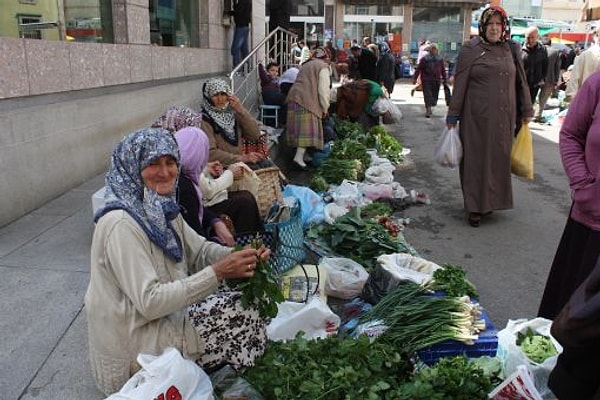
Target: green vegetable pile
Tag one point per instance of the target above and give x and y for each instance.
(416, 320)
(452, 279)
(452, 378)
(331, 368)
(345, 129)
(262, 290)
(350, 149)
(362, 240)
(334, 171)
(386, 145)
(537, 347)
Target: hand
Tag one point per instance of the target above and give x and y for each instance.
(237, 171)
(214, 168)
(223, 233)
(238, 264)
(235, 103)
(252, 157)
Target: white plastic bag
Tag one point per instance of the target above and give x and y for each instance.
(448, 151)
(512, 356)
(406, 267)
(314, 318)
(168, 376)
(518, 386)
(345, 277)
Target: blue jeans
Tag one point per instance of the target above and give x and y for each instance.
(239, 44)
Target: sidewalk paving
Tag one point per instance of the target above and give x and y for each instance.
(44, 261)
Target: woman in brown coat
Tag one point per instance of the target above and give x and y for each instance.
(490, 91)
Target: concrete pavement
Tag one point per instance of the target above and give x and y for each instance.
(44, 257)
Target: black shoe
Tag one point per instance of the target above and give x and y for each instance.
(474, 219)
(412, 92)
(299, 167)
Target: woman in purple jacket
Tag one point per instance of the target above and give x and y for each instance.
(579, 246)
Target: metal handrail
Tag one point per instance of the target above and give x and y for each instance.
(244, 79)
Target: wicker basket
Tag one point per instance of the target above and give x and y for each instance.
(269, 189)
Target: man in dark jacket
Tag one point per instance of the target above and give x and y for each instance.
(552, 77)
(242, 16)
(535, 61)
(577, 329)
(366, 63)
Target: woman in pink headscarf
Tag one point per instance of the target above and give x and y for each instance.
(239, 206)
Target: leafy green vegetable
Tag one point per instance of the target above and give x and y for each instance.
(385, 144)
(331, 368)
(350, 149)
(373, 210)
(334, 170)
(452, 378)
(318, 183)
(345, 129)
(262, 290)
(537, 347)
(362, 240)
(452, 279)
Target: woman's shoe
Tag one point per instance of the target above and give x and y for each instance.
(299, 167)
(474, 219)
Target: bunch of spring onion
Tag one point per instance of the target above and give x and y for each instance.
(415, 319)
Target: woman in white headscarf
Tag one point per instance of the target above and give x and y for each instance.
(227, 123)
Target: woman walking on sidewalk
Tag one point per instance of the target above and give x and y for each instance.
(489, 86)
(432, 73)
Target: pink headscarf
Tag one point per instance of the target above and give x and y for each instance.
(193, 149)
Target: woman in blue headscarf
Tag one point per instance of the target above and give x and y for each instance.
(154, 281)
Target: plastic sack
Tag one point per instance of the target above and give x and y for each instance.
(380, 174)
(347, 194)
(448, 151)
(345, 277)
(333, 212)
(392, 270)
(228, 384)
(512, 356)
(314, 318)
(393, 115)
(380, 106)
(167, 376)
(518, 386)
(311, 203)
(521, 154)
(374, 191)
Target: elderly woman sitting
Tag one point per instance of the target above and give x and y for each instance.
(154, 282)
(227, 123)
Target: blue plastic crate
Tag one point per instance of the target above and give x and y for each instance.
(485, 345)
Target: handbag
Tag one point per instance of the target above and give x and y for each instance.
(168, 376)
(284, 222)
(521, 154)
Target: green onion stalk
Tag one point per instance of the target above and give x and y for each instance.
(416, 320)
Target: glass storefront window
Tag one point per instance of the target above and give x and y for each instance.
(174, 23)
(309, 8)
(368, 9)
(443, 26)
(88, 20)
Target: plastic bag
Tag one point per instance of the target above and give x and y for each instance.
(380, 174)
(521, 154)
(518, 386)
(392, 270)
(448, 151)
(374, 191)
(345, 277)
(311, 204)
(512, 356)
(314, 318)
(168, 376)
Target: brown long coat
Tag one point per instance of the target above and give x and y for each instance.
(485, 100)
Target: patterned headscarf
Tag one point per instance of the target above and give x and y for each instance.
(193, 148)
(485, 18)
(224, 118)
(125, 189)
(178, 117)
(320, 53)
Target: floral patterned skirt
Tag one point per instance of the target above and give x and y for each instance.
(231, 334)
